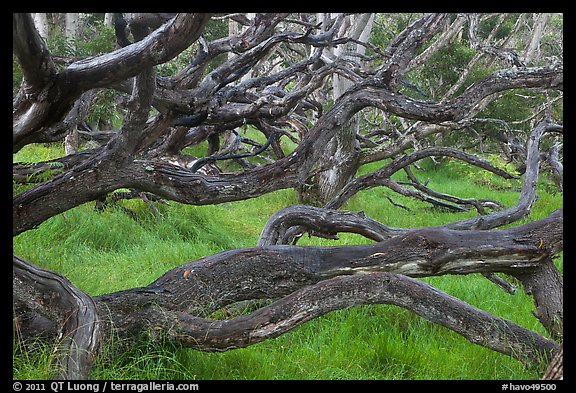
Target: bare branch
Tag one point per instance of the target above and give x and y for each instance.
(32, 53)
(339, 292)
(277, 229)
(382, 176)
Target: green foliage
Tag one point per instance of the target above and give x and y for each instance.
(552, 40)
(483, 177)
(513, 106)
(504, 30)
(104, 109)
(96, 38)
(55, 168)
(387, 26)
(446, 65)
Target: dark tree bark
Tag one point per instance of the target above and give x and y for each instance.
(54, 297)
(272, 80)
(379, 287)
(51, 96)
(546, 286)
(556, 368)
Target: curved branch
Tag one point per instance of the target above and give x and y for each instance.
(161, 45)
(556, 164)
(60, 92)
(382, 176)
(53, 295)
(457, 108)
(477, 326)
(32, 53)
(324, 221)
(479, 204)
(425, 197)
(176, 300)
(289, 172)
(492, 220)
(282, 227)
(527, 193)
(217, 157)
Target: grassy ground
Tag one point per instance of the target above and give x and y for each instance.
(107, 251)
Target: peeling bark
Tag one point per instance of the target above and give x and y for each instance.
(477, 326)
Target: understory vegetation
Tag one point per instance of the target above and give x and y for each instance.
(129, 244)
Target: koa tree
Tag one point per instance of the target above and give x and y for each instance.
(273, 72)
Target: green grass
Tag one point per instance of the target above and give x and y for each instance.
(107, 251)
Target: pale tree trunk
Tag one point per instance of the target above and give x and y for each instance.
(71, 141)
(342, 150)
(360, 27)
(41, 23)
(72, 28)
(108, 18)
(534, 46)
(248, 75)
(235, 28)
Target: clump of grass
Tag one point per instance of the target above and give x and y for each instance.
(148, 359)
(32, 359)
(37, 152)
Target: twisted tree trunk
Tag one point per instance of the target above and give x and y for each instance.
(56, 298)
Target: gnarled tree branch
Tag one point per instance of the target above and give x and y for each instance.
(477, 326)
(53, 296)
